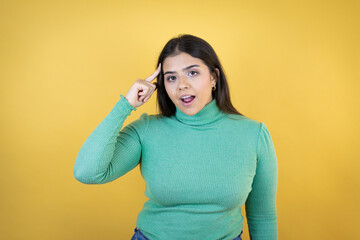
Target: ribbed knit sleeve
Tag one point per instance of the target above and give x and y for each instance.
(260, 205)
(108, 154)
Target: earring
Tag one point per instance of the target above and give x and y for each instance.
(214, 86)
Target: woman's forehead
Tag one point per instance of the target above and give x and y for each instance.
(179, 61)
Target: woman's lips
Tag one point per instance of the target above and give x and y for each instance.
(188, 103)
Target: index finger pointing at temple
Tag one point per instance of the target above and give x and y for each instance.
(153, 76)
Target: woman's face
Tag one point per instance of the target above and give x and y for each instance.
(186, 75)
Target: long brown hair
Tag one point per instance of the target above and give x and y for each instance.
(197, 48)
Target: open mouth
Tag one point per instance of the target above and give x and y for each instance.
(187, 101)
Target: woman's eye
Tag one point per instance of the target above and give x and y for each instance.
(192, 73)
(170, 78)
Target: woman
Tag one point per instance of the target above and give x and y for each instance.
(200, 158)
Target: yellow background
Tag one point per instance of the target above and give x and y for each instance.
(293, 65)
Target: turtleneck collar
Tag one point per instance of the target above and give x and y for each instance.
(209, 114)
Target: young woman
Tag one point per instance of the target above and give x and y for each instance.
(200, 158)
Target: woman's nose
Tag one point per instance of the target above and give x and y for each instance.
(183, 82)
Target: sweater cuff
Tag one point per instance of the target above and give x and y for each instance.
(125, 105)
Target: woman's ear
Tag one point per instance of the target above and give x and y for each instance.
(215, 75)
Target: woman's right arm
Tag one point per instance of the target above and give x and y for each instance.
(108, 154)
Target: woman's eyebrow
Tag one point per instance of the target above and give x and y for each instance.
(195, 65)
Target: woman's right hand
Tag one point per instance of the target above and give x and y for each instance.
(141, 90)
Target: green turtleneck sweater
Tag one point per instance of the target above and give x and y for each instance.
(199, 170)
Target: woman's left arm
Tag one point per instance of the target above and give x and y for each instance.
(260, 205)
